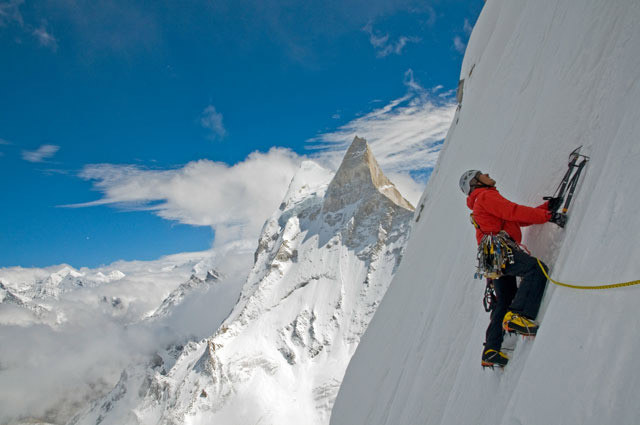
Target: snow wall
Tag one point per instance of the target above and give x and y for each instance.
(541, 78)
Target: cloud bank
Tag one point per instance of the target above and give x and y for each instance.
(58, 363)
(234, 200)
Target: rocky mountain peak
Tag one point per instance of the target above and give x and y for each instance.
(358, 172)
(323, 263)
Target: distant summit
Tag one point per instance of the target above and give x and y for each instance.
(359, 173)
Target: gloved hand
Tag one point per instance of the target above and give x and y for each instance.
(553, 203)
(559, 219)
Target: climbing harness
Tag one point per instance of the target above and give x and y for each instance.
(566, 285)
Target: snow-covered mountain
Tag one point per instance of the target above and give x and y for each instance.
(70, 343)
(46, 291)
(323, 263)
(540, 79)
(41, 284)
(181, 292)
(9, 298)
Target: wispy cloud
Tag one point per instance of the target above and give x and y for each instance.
(42, 153)
(234, 200)
(382, 42)
(212, 120)
(10, 12)
(45, 38)
(405, 134)
(4, 142)
(467, 27)
(458, 44)
(431, 15)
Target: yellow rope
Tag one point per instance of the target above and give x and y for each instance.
(615, 285)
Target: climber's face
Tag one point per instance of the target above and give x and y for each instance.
(486, 180)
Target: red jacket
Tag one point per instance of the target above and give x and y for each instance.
(493, 213)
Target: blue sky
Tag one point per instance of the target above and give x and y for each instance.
(131, 130)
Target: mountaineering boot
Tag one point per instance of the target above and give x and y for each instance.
(491, 358)
(514, 322)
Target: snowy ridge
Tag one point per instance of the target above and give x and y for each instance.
(44, 291)
(184, 289)
(7, 297)
(280, 355)
(541, 78)
(41, 284)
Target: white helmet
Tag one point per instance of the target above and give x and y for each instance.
(465, 180)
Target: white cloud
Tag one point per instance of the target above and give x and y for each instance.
(10, 12)
(212, 120)
(45, 38)
(4, 142)
(50, 370)
(458, 44)
(234, 200)
(405, 135)
(40, 154)
(382, 44)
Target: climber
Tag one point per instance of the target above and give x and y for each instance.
(516, 308)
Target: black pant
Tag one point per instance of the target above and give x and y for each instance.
(524, 300)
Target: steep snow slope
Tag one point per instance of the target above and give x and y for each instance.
(541, 78)
(324, 261)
